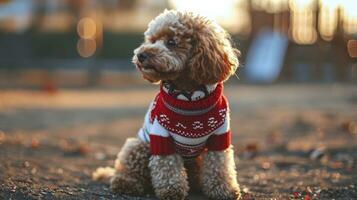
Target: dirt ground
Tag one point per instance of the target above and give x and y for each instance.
(291, 141)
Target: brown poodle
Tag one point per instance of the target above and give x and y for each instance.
(185, 139)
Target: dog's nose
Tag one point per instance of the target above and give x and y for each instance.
(142, 57)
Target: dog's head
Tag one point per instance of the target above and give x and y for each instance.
(185, 44)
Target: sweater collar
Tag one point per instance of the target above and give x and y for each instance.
(202, 92)
(205, 103)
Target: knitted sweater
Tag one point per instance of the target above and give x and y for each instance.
(186, 126)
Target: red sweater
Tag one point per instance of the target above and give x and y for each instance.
(187, 127)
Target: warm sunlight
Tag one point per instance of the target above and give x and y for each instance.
(225, 13)
(301, 4)
(271, 6)
(349, 16)
(210, 8)
(329, 10)
(160, 99)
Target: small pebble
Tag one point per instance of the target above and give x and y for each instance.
(296, 194)
(245, 190)
(275, 137)
(100, 156)
(14, 189)
(335, 176)
(33, 171)
(318, 153)
(350, 127)
(60, 171)
(336, 164)
(308, 189)
(35, 143)
(84, 149)
(266, 165)
(246, 196)
(250, 151)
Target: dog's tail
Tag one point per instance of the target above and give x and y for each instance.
(103, 173)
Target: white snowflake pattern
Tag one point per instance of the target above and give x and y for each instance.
(212, 122)
(164, 118)
(222, 112)
(197, 125)
(180, 125)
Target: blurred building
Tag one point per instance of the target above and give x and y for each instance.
(317, 39)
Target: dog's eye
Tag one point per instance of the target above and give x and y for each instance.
(171, 43)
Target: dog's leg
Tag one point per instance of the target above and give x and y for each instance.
(132, 173)
(193, 168)
(169, 177)
(219, 176)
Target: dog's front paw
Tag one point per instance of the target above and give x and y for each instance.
(222, 192)
(219, 179)
(168, 177)
(123, 184)
(170, 193)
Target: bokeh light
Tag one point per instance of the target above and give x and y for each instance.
(303, 21)
(270, 6)
(352, 48)
(86, 47)
(349, 16)
(328, 18)
(86, 28)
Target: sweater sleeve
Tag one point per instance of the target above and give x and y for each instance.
(160, 140)
(221, 138)
(143, 133)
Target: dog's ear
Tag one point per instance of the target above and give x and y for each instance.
(213, 57)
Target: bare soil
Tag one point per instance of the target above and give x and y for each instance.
(291, 141)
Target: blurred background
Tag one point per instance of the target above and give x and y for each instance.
(69, 95)
(90, 42)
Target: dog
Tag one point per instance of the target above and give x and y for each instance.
(185, 139)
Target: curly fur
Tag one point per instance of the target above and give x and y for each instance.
(203, 53)
(219, 179)
(214, 59)
(132, 173)
(169, 177)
